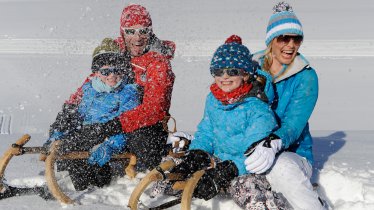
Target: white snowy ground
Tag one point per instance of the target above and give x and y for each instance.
(45, 48)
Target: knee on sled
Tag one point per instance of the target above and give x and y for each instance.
(217, 175)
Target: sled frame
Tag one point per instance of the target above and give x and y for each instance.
(158, 174)
(50, 158)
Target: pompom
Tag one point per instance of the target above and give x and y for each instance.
(234, 38)
(281, 7)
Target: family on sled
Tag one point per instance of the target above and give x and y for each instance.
(254, 128)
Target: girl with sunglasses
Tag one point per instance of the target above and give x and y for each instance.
(105, 96)
(237, 115)
(287, 164)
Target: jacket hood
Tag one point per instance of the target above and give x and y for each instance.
(299, 63)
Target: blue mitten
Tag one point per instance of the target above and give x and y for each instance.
(105, 150)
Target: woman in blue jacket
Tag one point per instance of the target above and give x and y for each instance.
(288, 165)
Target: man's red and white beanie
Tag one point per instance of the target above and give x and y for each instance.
(134, 14)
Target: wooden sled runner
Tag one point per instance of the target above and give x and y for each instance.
(50, 158)
(158, 174)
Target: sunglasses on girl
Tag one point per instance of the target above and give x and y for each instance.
(229, 71)
(141, 31)
(287, 38)
(109, 70)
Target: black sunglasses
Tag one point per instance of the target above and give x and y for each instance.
(109, 70)
(141, 31)
(287, 38)
(230, 71)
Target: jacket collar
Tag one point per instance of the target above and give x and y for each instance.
(299, 63)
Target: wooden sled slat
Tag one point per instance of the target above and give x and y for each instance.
(50, 170)
(129, 170)
(9, 154)
(189, 189)
(51, 178)
(50, 159)
(152, 176)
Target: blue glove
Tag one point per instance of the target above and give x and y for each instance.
(104, 152)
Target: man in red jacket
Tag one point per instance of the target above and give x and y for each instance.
(152, 72)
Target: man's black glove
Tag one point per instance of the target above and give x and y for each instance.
(102, 130)
(216, 179)
(193, 161)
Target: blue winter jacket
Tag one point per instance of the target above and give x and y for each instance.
(296, 93)
(227, 131)
(100, 107)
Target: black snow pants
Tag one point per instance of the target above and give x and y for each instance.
(148, 144)
(83, 174)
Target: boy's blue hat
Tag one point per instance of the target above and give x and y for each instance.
(232, 54)
(282, 21)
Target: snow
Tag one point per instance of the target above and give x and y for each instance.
(45, 54)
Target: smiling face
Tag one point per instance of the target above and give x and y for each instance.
(283, 52)
(111, 80)
(229, 83)
(136, 42)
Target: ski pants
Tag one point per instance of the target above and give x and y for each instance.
(290, 175)
(148, 144)
(82, 174)
(252, 192)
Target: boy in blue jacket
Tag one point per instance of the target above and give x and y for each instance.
(105, 96)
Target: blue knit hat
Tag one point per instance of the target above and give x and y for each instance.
(232, 54)
(283, 21)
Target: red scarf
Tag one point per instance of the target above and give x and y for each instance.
(230, 97)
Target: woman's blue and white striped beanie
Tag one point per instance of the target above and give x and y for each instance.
(283, 21)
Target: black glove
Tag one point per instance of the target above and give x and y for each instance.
(216, 179)
(102, 130)
(67, 120)
(193, 161)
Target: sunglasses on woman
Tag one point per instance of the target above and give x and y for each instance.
(141, 31)
(287, 38)
(109, 70)
(229, 71)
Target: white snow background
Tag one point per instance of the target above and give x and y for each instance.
(45, 54)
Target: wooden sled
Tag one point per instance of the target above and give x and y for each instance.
(50, 158)
(158, 174)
